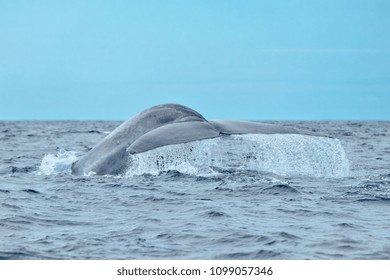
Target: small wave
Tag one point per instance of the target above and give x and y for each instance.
(281, 154)
(374, 199)
(57, 164)
(280, 189)
(15, 169)
(347, 225)
(287, 235)
(216, 214)
(17, 255)
(258, 254)
(31, 191)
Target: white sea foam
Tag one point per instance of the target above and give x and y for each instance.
(282, 154)
(57, 164)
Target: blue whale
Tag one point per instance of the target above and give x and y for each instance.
(159, 126)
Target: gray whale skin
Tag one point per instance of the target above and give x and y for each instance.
(159, 126)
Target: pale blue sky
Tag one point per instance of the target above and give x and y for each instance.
(289, 60)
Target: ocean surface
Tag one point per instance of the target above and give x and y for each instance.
(235, 197)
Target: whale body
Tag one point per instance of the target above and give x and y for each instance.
(159, 126)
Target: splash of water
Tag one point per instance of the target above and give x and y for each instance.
(282, 154)
(57, 164)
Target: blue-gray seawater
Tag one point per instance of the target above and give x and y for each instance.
(242, 197)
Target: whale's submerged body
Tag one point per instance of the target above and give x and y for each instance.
(159, 126)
